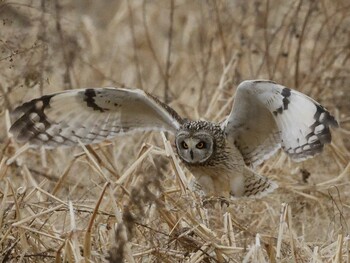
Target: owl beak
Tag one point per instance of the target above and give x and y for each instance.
(191, 153)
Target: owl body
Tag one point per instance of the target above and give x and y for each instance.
(226, 176)
(265, 117)
(222, 171)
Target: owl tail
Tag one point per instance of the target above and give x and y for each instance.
(256, 185)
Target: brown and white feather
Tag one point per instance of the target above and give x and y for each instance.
(91, 116)
(267, 116)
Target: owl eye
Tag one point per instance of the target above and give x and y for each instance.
(200, 145)
(184, 145)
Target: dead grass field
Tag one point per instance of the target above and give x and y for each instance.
(128, 199)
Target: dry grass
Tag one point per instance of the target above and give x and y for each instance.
(129, 199)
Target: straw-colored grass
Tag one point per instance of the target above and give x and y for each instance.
(128, 199)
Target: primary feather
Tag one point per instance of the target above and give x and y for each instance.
(90, 115)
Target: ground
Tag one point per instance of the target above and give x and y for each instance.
(128, 199)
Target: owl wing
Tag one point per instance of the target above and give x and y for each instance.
(266, 116)
(90, 115)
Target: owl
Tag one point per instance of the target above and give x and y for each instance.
(265, 116)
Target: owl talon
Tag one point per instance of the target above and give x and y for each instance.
(211, 201)
(224, 201)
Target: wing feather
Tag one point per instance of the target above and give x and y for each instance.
(266, 116)
(90, 115)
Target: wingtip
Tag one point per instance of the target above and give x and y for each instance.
(333, 122)
(28, 118)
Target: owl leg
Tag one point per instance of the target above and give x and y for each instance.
(216, 190)
(237, 185)
(207, 184)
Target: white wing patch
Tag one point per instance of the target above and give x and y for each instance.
(266, 116)
(91, 116)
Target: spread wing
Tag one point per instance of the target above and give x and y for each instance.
(266, 116)
(90, 115)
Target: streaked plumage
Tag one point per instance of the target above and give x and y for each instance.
(265, 116)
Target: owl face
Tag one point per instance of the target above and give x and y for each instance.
(194, 147)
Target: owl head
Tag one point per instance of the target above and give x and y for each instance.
(197, 141)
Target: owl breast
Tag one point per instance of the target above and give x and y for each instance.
(223, 175)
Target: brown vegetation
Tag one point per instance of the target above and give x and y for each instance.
(129, 199)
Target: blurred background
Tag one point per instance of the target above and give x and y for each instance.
(192, 55)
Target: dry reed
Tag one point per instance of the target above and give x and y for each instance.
(128, 199)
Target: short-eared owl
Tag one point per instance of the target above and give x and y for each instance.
(265, 116)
